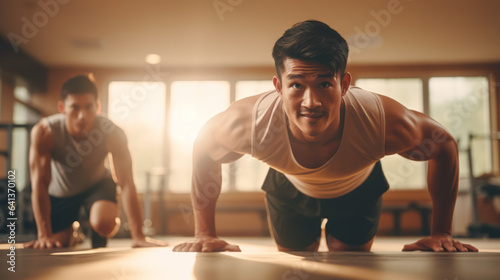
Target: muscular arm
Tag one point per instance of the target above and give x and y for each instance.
(122, 170)
(224, 138)
(416, 136)
(39, 160)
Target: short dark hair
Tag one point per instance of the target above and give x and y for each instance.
(78, 85)
(313, 41)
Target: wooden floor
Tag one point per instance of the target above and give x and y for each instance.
(259, 260)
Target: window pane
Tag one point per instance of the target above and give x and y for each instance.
(400, 172)
(139, 109)
(192, 104)
(461, 104)
(249, 172)
(406, 91)
(22, 93)
(20, 137)
(249, 88)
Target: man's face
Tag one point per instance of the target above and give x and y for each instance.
(312, 98)
(80, 111)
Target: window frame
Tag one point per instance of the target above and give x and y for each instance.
(235, 74)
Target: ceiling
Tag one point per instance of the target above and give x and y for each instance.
(227, 33)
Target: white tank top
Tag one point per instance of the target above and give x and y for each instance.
(361, 146)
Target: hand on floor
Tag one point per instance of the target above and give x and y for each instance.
(148, 242)
(439, 243)
(206, 244)
(44, 243)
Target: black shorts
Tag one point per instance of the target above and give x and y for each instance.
(296, 218)
(65, 210)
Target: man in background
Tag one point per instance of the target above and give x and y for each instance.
(67, 163)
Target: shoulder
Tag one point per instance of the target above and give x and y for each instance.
(116, 136)
(357, 96)
(56, 120)
(105, 125)
(232, 127)
(41, 135)
(404, 127)
(397, 114)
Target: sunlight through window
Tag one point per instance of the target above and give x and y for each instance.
(401, 173)
(139, 109)
(192, 104)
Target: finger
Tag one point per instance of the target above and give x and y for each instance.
(195, 247)
(459, 246)
(207, 247)
(470, 248)
(415, 247)
(178, 247)
(153, 242)
(49, 245)
(181, 247)
(158, 242)
(29, 244)
(449, 246)
(232, 248)
(59, 244)
(437, 247)
(186, 247)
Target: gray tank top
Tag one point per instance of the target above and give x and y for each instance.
(77, 165)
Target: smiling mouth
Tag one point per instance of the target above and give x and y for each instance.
(312, 115)
(81, 126)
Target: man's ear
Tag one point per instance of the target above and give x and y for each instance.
(277, 84)
(60, 106)
(346, 82)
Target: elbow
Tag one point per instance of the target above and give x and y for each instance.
(447, 152)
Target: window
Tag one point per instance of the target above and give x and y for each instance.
(249, 172)
(401, 173)
(22, 114)
(461, 104)
(192, 104)
(139, 109)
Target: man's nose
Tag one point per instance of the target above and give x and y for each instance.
(81, 115)
(310, 99)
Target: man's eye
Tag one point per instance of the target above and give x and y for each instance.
(325, 85)
(296, 86)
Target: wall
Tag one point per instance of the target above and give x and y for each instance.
(250, 223)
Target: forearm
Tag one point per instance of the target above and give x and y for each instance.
(132, 211)
(206, 185)
(41, 210)
(443, 187)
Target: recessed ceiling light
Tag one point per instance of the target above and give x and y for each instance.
(153, 58)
